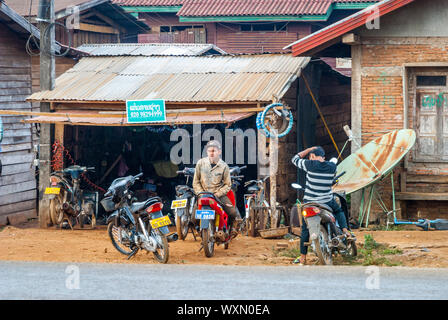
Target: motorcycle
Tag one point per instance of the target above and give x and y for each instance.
(184, 205)
(214, 227)
(326, 237)
(148, 230)
(68, 201)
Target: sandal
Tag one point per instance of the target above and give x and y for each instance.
(299, 262)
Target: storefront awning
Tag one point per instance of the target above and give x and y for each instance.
(90, 118)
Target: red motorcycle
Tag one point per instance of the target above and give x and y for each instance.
(214, 221)
(214, 226)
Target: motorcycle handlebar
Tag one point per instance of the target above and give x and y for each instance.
(139, 175)
(236, 177)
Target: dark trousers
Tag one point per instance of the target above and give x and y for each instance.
(229, 208)
(305, 233)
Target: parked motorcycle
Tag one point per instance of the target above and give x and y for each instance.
(214, 225)
(68, 201)
(136, 225)
(184, 205)
(326, 237)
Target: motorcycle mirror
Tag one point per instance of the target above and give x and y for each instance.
(296, 186)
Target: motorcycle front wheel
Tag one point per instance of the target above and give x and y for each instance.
(323, 253)
(114, 232)
(162, 252)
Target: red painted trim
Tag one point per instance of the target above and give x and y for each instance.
(345, 25)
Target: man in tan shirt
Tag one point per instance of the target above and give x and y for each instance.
(212, 174)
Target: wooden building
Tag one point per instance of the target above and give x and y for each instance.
(399, 81)
(86, 21)
(17, 181)
(237, 26)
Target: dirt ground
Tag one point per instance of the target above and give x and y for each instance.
(27, 242)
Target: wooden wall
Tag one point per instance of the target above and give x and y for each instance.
(335, 105)
(17, 182)
(226, 36)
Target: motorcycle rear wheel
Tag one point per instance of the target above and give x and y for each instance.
(209, 246)
(56, 211)
(161, 254)
(325, 257)
(182, 227)
(112, 231)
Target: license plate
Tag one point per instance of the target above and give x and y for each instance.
(205, 214)
(52, 190)
(176, 204)
(160, 222)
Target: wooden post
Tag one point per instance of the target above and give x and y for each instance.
(59, 137)
(273, 168)
(47, 76)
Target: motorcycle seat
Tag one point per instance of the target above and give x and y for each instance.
(319, 205)
(253, 188)
(137, 206)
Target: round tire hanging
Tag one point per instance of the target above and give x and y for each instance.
(279, 119)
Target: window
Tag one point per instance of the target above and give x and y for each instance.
(432, 125)
(179, 28)
(273, 27)
(431, 81)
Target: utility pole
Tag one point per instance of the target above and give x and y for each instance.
(47, 76)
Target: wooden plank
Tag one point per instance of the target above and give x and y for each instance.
(15, 147)
(16, 168)
(16, 178)
(416, 178)
(97, 28)
(421, 196)
(21, 217)
(15, 140)
(8, 159)
(17, 133)
(18, 187)
(17, 207)
(18, 197)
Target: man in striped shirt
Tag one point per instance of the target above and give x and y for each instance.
(319, 180)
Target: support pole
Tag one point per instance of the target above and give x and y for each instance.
(273, 168)
(47, 75)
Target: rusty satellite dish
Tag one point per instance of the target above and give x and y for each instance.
(374, 160)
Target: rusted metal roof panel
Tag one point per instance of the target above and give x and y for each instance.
(374, 160)
(244, 78)
(148, 2)
(174, 119)
(323, 36)
(149, 49)
(253, 7)
(201, 8)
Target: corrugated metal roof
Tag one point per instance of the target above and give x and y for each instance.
(201, 8)
(148, 2)
(321, 37)
(150, 49)
(243, 78)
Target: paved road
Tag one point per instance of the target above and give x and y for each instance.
(39, 280)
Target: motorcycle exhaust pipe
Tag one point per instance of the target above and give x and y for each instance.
(68, 208)
(335, 242)
(172, 237)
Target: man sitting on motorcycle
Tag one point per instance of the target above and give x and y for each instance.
(319, 181)
(212, 174)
